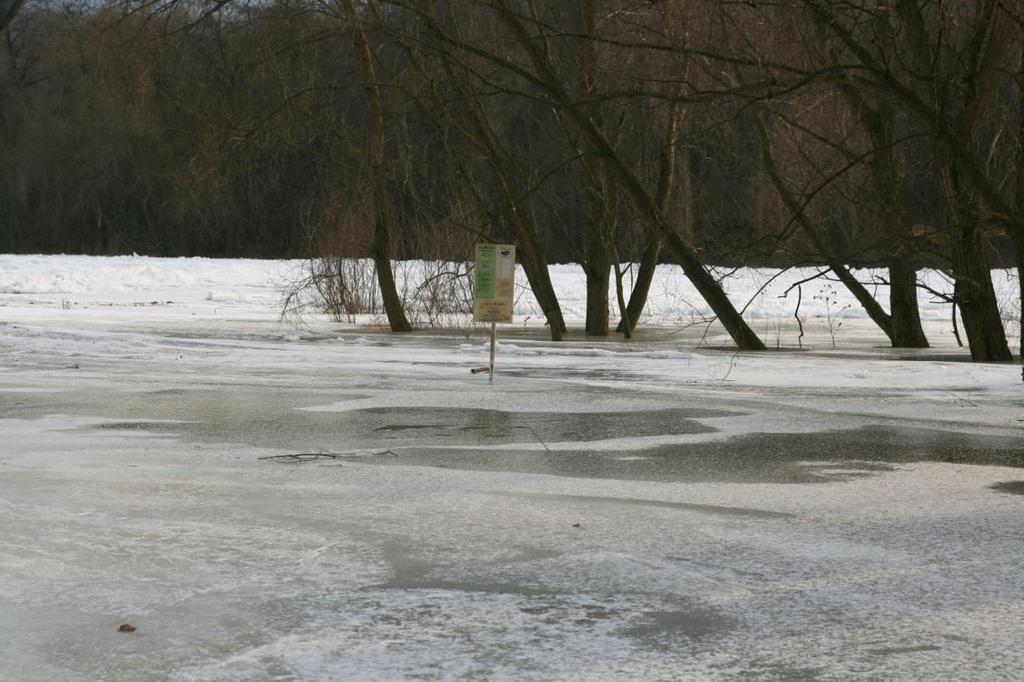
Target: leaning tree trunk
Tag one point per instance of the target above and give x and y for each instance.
(476, 129)
(904, 312)
(530, 251)
(641, 286)
(872, 307)
(531, 257)
(666, 182)
(706, 285)
(381, 244)
(381, 253)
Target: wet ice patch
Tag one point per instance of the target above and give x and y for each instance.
(1009, 487)
(606, 503)
(688, 622)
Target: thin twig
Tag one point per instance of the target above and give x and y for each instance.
(796, 285)
(300, 457)
(303, 457)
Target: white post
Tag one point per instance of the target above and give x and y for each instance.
(494, 342)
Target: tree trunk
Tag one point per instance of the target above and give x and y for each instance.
(598, 271)
(620, 297)
(906, 317)
(381, 252)
(381, 245)
(599, 235)
(599, 238)
(709, 288)
(535, 265)
(879, 120)
(976, 297)
(642, 286)
(973, 292)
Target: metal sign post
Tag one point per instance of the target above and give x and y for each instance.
(494, 276)
(494, 342)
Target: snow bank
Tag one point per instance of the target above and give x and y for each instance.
(768, 297)
(105, 275)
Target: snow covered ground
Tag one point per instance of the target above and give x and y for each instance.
(240, 287)
(607, 510)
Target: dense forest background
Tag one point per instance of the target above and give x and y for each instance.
(132, 127)
(874, 132)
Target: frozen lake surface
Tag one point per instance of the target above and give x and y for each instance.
(653, 510)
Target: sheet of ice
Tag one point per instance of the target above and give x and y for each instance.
(798, 515)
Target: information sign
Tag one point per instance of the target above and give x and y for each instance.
(494, 275)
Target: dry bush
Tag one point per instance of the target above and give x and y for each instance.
(443, 296)
(340, 280)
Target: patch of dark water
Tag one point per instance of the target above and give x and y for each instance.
(258, 421)
(825, 457)
(484, 427)
(411, 573)
(126, 426)
(668, 630)
(1009, 487)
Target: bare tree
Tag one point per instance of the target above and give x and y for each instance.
(544, 75)
(942, 65)
(465, 110)
(383, 221)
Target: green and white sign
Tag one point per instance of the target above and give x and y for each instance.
(495, 277)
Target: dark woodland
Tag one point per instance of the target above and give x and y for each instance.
(883, 133)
